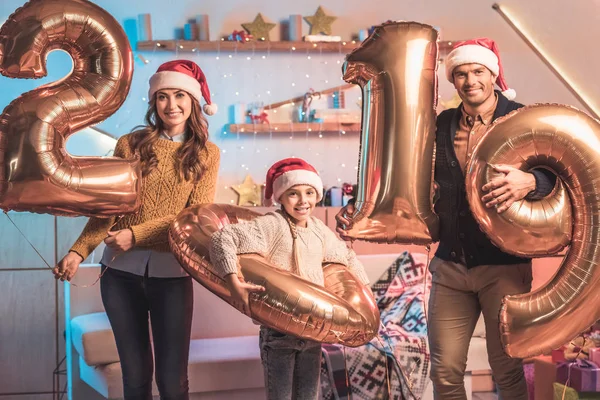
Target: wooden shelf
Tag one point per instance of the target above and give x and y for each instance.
(259, 46)
(297, 127)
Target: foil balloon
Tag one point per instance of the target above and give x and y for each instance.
(342, 311)
(36, 172)
(567, 142)
(396, 69)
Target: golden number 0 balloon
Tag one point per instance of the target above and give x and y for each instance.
(343, 311)
(36, 173)
(396, 69)
(568, 142)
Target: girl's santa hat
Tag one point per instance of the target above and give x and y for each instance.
(185, 75)
(290, 172)
(482, 51)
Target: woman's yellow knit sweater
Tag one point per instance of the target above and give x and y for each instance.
(163, 197)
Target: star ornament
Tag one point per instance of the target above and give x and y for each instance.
(320, 23)
(249, 192)
(259, 29)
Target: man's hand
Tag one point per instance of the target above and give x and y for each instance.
(505, 190)
(240, 291)
(120, 241)
(341, 220)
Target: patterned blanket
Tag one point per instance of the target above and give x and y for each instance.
(395, 364)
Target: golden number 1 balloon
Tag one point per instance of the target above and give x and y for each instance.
(36, 172)
(567, 141)
(396, 69)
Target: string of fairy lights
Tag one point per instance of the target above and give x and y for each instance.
(258, 76)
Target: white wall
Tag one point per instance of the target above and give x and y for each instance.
(566, 32)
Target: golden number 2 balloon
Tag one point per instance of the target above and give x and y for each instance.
(36, 172)
(567, 141)
(396, 69)
(343, 311)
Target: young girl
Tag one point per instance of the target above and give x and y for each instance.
(140, 275)
(294, 241)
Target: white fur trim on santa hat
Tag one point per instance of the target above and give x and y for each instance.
(210, 109)
(510, 94)
(174, 80)
(469, 54)
(297, 177)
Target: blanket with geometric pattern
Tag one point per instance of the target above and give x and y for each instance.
(395, 364)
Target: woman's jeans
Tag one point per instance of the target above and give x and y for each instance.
(129, 300)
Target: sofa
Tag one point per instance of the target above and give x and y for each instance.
(224, 355)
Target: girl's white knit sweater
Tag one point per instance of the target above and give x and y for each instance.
(270, 236)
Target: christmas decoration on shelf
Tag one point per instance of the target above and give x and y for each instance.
(258, 114)
(259, 29)
(239, 36)
(305, 112)
(320, 23)
(322, 38)
(347, 193)
(249, 192)
(452, 103)
(295, 28)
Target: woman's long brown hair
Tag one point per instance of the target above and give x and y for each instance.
(143, 138)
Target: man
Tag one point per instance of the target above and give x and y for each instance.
(470, 274)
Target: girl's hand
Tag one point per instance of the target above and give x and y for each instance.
(240, 292)
(120, 241)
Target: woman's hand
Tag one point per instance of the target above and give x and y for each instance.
(240, 291)
(67, 267)
(120, 241)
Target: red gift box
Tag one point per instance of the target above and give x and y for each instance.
(558, 355)
(584, 375)
(595, 355)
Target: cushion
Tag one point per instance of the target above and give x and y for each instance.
(220, 364)
(93, 339)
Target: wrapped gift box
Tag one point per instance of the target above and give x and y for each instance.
(595, 355)
(584, 375)
(558, 355)
(572, 394)
(544, 376)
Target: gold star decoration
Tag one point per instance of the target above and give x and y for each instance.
(452, 103)
(249, 192)
(259, 29)
(320, 23)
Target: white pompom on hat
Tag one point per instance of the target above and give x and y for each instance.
(185, 75)
(482, 51)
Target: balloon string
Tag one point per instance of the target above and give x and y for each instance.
(46, 262)
(564, 393)
(408, 380)
(428, 248)
(348, 386)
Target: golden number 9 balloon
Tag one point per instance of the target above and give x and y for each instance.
(343, 311)
(396, 69)
(36, 172)
(567, 141)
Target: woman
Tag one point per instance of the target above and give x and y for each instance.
(140, 275)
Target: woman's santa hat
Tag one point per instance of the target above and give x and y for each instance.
(290, 172)
(185, 75)
(482, 51)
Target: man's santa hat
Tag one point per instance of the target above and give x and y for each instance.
(185, 75)
(482, 51)
(290, 172)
